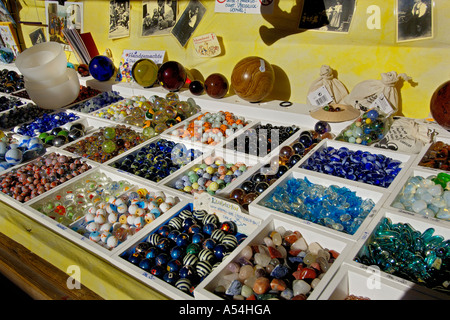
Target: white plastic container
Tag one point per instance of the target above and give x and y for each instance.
(405, 159)
(365, 192)
(413, 172)
(57, 96)
(43, 61)
(161, 285)
(365, 283)
(418, 225)
(310, 233)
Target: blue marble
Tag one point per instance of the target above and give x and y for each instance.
(362, 166)
(335, 207)
(101, 68)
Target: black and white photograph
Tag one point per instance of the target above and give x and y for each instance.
(158, 17)
(37, 36)
(328, 15)
(188, 22)
(414, 20)
(119, 19)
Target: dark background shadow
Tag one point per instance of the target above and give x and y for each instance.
(286, 23)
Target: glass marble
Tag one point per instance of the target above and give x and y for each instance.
(101, 68)
(109, 146)
(335, 207)
(261, 139)
(144, 72)
(426, 196)
(322, 127)
(91, 147)
(375, 169)
(418, 256)
(188, 257)
(172, 75)
(196, 87)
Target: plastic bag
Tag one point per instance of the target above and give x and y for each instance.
(406, 135)
(367, 129)
(334, 86)
(363, 95)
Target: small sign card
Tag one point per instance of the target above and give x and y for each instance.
(129, 57)
(207, 45)
(244, 6)
(226, 211)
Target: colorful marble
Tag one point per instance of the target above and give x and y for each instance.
(335, 207)
(184, 259)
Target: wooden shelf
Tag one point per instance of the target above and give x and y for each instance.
(35, 276)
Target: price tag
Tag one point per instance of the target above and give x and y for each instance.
(382, 104)
(320, 97)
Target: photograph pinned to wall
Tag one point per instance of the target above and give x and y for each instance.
(327, 15)
(37, 36)
(59, 17)
(188, 22)
(414, 20)
(158, 17)
(9, 45)
(119, 19)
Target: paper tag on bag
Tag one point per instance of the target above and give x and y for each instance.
(382, 104)
(320, 97)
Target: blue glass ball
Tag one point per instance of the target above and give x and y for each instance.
(321, 127)
(157, 271)
(195, 228)
(164, 244)
(372, 114)
(182, 240)
(209, 244)
(164, 230)
(173, 235)
(198, 238)
(171, 277)
(13, 156)
(219, 251)
(151, 253)
(176, 252)
(146, 264)
(162, 259)
(209, 228)
(174, 265)
(187, 223)
(101, 68)
(187, 272)
(135, 258)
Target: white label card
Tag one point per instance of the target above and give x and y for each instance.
(320, 97)
(382, 104)
(244, 6)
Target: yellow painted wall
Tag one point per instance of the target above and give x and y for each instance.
(359, 55)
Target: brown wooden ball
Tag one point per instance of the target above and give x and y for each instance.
(440, 105)
(216, 85)
(252, 79)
